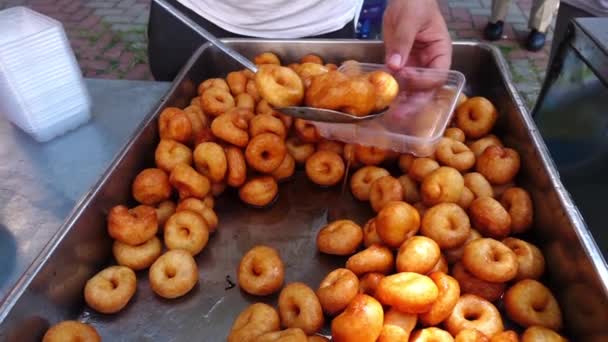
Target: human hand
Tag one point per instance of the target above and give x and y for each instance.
(416, 35)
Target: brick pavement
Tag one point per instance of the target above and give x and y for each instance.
(109, 36)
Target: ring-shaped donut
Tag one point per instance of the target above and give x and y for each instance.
(449, 293)
(71, 331)
(186, 230)
(205, 210)
(299, 307)
(231, 127)
(217, 101)
(383, 191)
(212, 83)
(173, 274)
(325, 168)
(137, 257)
(472, 312)
(188, 182)
(170, 153)
(237, 167)
(210, 161)
(518, 203)
(529, 303)
(476, 117)
(259, 191)
(261, 271)
(490, 260)
(265, 152)
(256, 320)
(132, 226)
(499, 165)
(361, 181)
(174, 124)
(280, 86)
(455, 154)
(337, 289)
(110, 290)
(473, 285)
(447, 224)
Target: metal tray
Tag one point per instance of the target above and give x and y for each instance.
(51, 289)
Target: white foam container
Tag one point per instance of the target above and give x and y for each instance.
(41, 84)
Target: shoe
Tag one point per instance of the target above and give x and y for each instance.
(493, 31)
(535, 41)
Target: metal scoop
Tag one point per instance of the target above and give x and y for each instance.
(307, 113)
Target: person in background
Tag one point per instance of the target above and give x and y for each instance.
(415, 33)
(541, 15)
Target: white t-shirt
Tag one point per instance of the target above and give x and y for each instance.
(280, 19)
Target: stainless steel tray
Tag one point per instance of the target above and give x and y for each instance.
(51, 289)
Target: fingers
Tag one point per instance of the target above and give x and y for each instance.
(398, 43)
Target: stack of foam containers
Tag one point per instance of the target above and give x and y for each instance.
(41, 86)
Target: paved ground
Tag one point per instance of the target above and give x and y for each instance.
(109, 36)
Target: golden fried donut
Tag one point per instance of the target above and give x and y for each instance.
(337, 289)
(455, 133)
(132, 226)
(197, 206)
(536, 333)
(188, 182)
(410, 189)
(417, 254)
(449, 293)
(245, 101)
(499, 165)
(397, 326)
(237, 81)
(369, 283)
(396, 222)
(325, 168)
(470, 335)
(256, 320)
(279, 86)
(447, 224)
(307, 71)
(266, 123)
(111, 289)
(466, 198)
(267, 58)
(164, 210)
(530, 303)
(480, 145)
(374, 258)
(198, 120)
(231, 127)
(252, 90)
(476, 117)
(454, 255)
(440, 266)
(473, 285)
(341, 237)
(69, 331)
(299, 150)
(385, 87)
(530, 260)
(237, 168)
(173, 274)
(186, 230)
(442, 185)
(212, 83)
(336, 91)
(287, 335)
(478, 184)
(216, 101)
(174, 124)
(490, 260)
(259, 191)
(330, 145)
(422, 167)
(137, 257)
(362, 179)
(210, 161)
(265, 152)
(385, 190)
(518, 204)
(455, 154)
(204, 135)
(490, 218)
(431, 334)
(299, 307)
(311, 58)
(306, 131)
(286, 169)
(472, 312)
(370, 235)
(407, 292)
(405, 162)
(151, 186)
(505, 336)
(263, 108)
(170, 153)
(361, 321)
(261, 271)
(370, 155)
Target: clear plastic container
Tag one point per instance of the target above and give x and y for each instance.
(417, 118)
(41, 85)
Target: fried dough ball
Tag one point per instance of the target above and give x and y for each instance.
(237, 81)
(480, 145)
(449, 293)
(447, 224)
(530, 260)
(311, 58)
(252, 90)
(204, 210)
(431, 334)
(256, 320)
(287, 335)
(164, 210)
(473, 285)
(505, 336)
(472, 312)
(110, 290)
(336, 91)
(385, 190)
(422, 167)
(386, 88)
(299, 150)
(232, 128)
(471, 335)
(518, 204)
(369, 283)
(286, 169)
(174, 124)
(217, 101)
(307, 131)
(186, 230)
(397, 326)
(325, 168)
(245, 101)
(536, 333)
(362, 179)
(212, 83)
(490, 260)
(132, 226)
(370, 235)
(490, 218)
(299, 307)
(442, 185)
(265, 152)
(259, 191)
(455, 133)
(530, 303)
(151, 186)
(267, 58)
(405, 162)
(454, 255)
(499, 165)
(198, 120)
(361, 321)
(267, 124)
(330, 145)
(280, 86)
(236, 174)
(337, 289)
(418, 254)
(396, 222)
(261, 271)
(476, 117)
(407, 292)
(210, 161)
(170, 153)
(455, 154)
(68, 331)
(342, 237)
(188, 182)
(478, 184)
(410, 189)
(374, 258)
(137, 257)
(307, 71)
(370, 155)
(499, 190)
